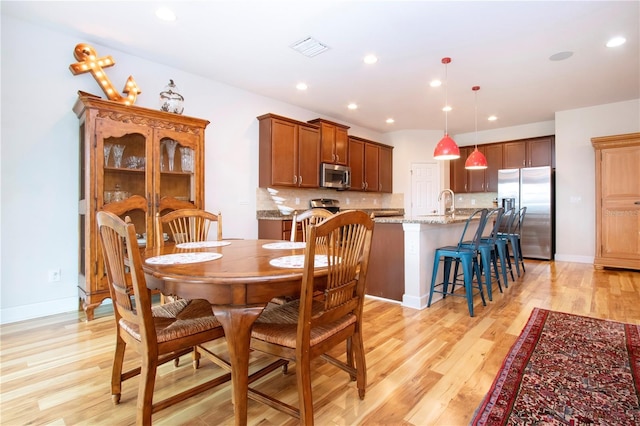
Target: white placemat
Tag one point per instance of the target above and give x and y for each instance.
(285, 245)
(297, 261)
(202, 244)
(177, 258)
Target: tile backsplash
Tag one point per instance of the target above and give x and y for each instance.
(298, 199)
(475, 200)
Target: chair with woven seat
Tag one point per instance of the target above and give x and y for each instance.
(308, 327)
(187, 225)
(158, 333)
(467, 256)
(306, 218)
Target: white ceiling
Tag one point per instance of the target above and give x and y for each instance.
(504, 47)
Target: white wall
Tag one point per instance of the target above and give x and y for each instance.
(39, 162)
(39, 133)
(575, 172)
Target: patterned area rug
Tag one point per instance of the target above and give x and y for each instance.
(567, 370)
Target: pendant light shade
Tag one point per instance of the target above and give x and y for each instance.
(477, 160)
(447, 149)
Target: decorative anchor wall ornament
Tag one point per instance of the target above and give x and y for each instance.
(89, 62)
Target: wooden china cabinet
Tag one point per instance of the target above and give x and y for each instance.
(161, 168)
(617, 201)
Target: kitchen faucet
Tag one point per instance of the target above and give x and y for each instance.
(452, 206)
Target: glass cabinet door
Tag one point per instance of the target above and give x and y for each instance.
(178, 159)
(122, 155)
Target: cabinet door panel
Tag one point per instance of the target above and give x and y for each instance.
(342, 146)
(371, 164)
(308, 157)
(386, 169)
(284, 158)
(327, 145)
(515, 154)
(356, 162)
(493, 153)
(540, 152)
(458, 174)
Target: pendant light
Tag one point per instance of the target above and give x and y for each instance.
(446, 149)
(477, 160)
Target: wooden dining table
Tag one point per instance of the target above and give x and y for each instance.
(239, 285)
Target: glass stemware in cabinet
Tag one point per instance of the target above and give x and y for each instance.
(118, 150)
(171, 145)
(107, 151)
(186, 158)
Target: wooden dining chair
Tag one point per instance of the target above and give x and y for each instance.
(308, 327)
(158, 333)
(187, 225)
(306, 218)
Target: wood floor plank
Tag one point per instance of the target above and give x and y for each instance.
(425, 367)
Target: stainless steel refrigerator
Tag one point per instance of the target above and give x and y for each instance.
(532, 187)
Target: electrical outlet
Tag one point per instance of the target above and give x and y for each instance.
(54, 275)
(297, 201)
(473, 202)
(348, 201)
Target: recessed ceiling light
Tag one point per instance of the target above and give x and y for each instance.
(447, 108)
(492, 118)
(165, 14)
(390, 121)
(435, 83)
(560, 56)
(616, 41)
(352, 106)
(301, 86)
(370, 59)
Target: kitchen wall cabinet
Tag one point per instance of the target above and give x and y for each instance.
(162, 167)
(485, 180)
(334, 141)
(289, 152)
(385, 169)
(458, 175)
(371, 165)
(617, 201)
(534, 152)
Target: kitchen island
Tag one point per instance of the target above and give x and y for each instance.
(407, 269)
(402, 250)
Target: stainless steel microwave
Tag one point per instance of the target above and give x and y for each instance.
(335, 176)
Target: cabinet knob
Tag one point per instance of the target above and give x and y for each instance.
(295, 179)
(300, 180)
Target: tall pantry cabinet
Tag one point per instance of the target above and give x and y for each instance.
(617, 201)
(161, 168)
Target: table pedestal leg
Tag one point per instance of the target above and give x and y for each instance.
(236, 322)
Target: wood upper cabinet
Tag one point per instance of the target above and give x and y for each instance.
(617, 201)
(385, 168)
(334, 141)
(485, 180)
(133, 162)
(371, 165)
(534, 152)
(458, 174)
(289, 152)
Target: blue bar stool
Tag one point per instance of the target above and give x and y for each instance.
(502, 244)
(489, 252)
(468, 256)
(513, 237)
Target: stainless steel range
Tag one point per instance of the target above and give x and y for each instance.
(325, 203)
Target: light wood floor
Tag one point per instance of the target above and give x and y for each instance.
(429, 367)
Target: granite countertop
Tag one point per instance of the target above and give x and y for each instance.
(460, 215)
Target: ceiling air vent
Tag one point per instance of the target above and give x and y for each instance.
(309, 47)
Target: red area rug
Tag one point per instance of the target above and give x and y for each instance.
(567, 370)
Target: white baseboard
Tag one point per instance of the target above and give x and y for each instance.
(573, 258)
(37, 310)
